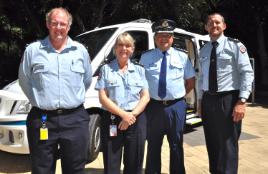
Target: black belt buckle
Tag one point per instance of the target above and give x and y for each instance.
(165, 102)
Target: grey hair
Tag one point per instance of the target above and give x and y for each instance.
(48, 15)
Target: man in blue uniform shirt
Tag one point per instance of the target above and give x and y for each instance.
(224, 85)
(55, 74)
(170, 76)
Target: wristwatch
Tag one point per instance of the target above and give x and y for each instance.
(242, 100)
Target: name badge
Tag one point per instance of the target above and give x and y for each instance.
(43, 128)
(113, 130)
(43, 133)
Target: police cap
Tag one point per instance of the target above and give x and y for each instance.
(163, 26)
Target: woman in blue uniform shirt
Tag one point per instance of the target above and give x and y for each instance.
(123, 92)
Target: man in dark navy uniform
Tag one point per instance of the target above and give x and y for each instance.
(170, 76)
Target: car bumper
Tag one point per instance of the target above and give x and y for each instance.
(13, 136)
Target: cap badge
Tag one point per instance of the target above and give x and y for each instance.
(165, 24)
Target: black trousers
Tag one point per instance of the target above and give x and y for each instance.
(69, 132)
(165, 120)
(221, 132)
(132, 140)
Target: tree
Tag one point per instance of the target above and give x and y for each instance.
(23, 21)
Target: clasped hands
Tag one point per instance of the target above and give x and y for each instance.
(127, 120)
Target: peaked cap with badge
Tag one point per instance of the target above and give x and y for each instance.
(164, 26)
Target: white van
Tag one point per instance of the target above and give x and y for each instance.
(14, 105)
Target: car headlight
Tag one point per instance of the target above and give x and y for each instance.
(23, 107)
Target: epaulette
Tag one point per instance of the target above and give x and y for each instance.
(234, 40)
(147, 50)
(181, 49)
(106, 61)
(135, 62)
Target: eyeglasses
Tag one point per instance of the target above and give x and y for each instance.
(55, 24)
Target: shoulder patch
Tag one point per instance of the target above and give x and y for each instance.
(242, 49)
(234, 40)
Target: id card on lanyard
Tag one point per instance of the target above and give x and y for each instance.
(43, 128)
(113, 127)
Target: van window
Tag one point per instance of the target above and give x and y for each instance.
(141, 43)
(95, 40)
(202, 43)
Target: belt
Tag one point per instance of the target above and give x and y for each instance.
(60, 111)
(166, 102)
(221, 93)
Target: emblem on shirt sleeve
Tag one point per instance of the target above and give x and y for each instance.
(242, 49)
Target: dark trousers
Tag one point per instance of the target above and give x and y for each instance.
(132, 139)
(167, 120)
(221, 132)
(69, 132)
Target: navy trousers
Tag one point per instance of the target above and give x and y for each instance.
(165, 120)
(132, 140)
(69, 132)
(221, 132)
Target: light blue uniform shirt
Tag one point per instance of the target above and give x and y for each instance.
(54, 80)
(123, 88)
(179, 68)
(234, 71)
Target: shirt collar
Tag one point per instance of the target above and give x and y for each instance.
(46, 44)
(168, 51)
(219, 40)
(130, 67)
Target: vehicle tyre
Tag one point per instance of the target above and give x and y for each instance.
(94, 137)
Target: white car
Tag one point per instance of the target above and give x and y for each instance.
(14, 105)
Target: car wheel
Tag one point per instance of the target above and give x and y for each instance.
(94, 137)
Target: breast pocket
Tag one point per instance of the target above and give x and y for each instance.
(152, 69)
(224, 63)
(176, 71)
(112, 87)
(135, 86)
(39, 72)
(77, 72)
(204, 62)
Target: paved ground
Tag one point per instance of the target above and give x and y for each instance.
(253, 149)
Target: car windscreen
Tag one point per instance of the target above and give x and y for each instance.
(95, 40)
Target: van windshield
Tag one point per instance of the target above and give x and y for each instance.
(95, 40)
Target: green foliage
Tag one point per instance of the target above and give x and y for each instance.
(23, 21)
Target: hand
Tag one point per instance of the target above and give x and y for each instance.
(129, 118)
(239, 111)
(123, 125)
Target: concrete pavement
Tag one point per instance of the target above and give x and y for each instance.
(253, 149)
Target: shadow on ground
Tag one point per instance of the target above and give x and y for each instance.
(14, 163)
(100, 171)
